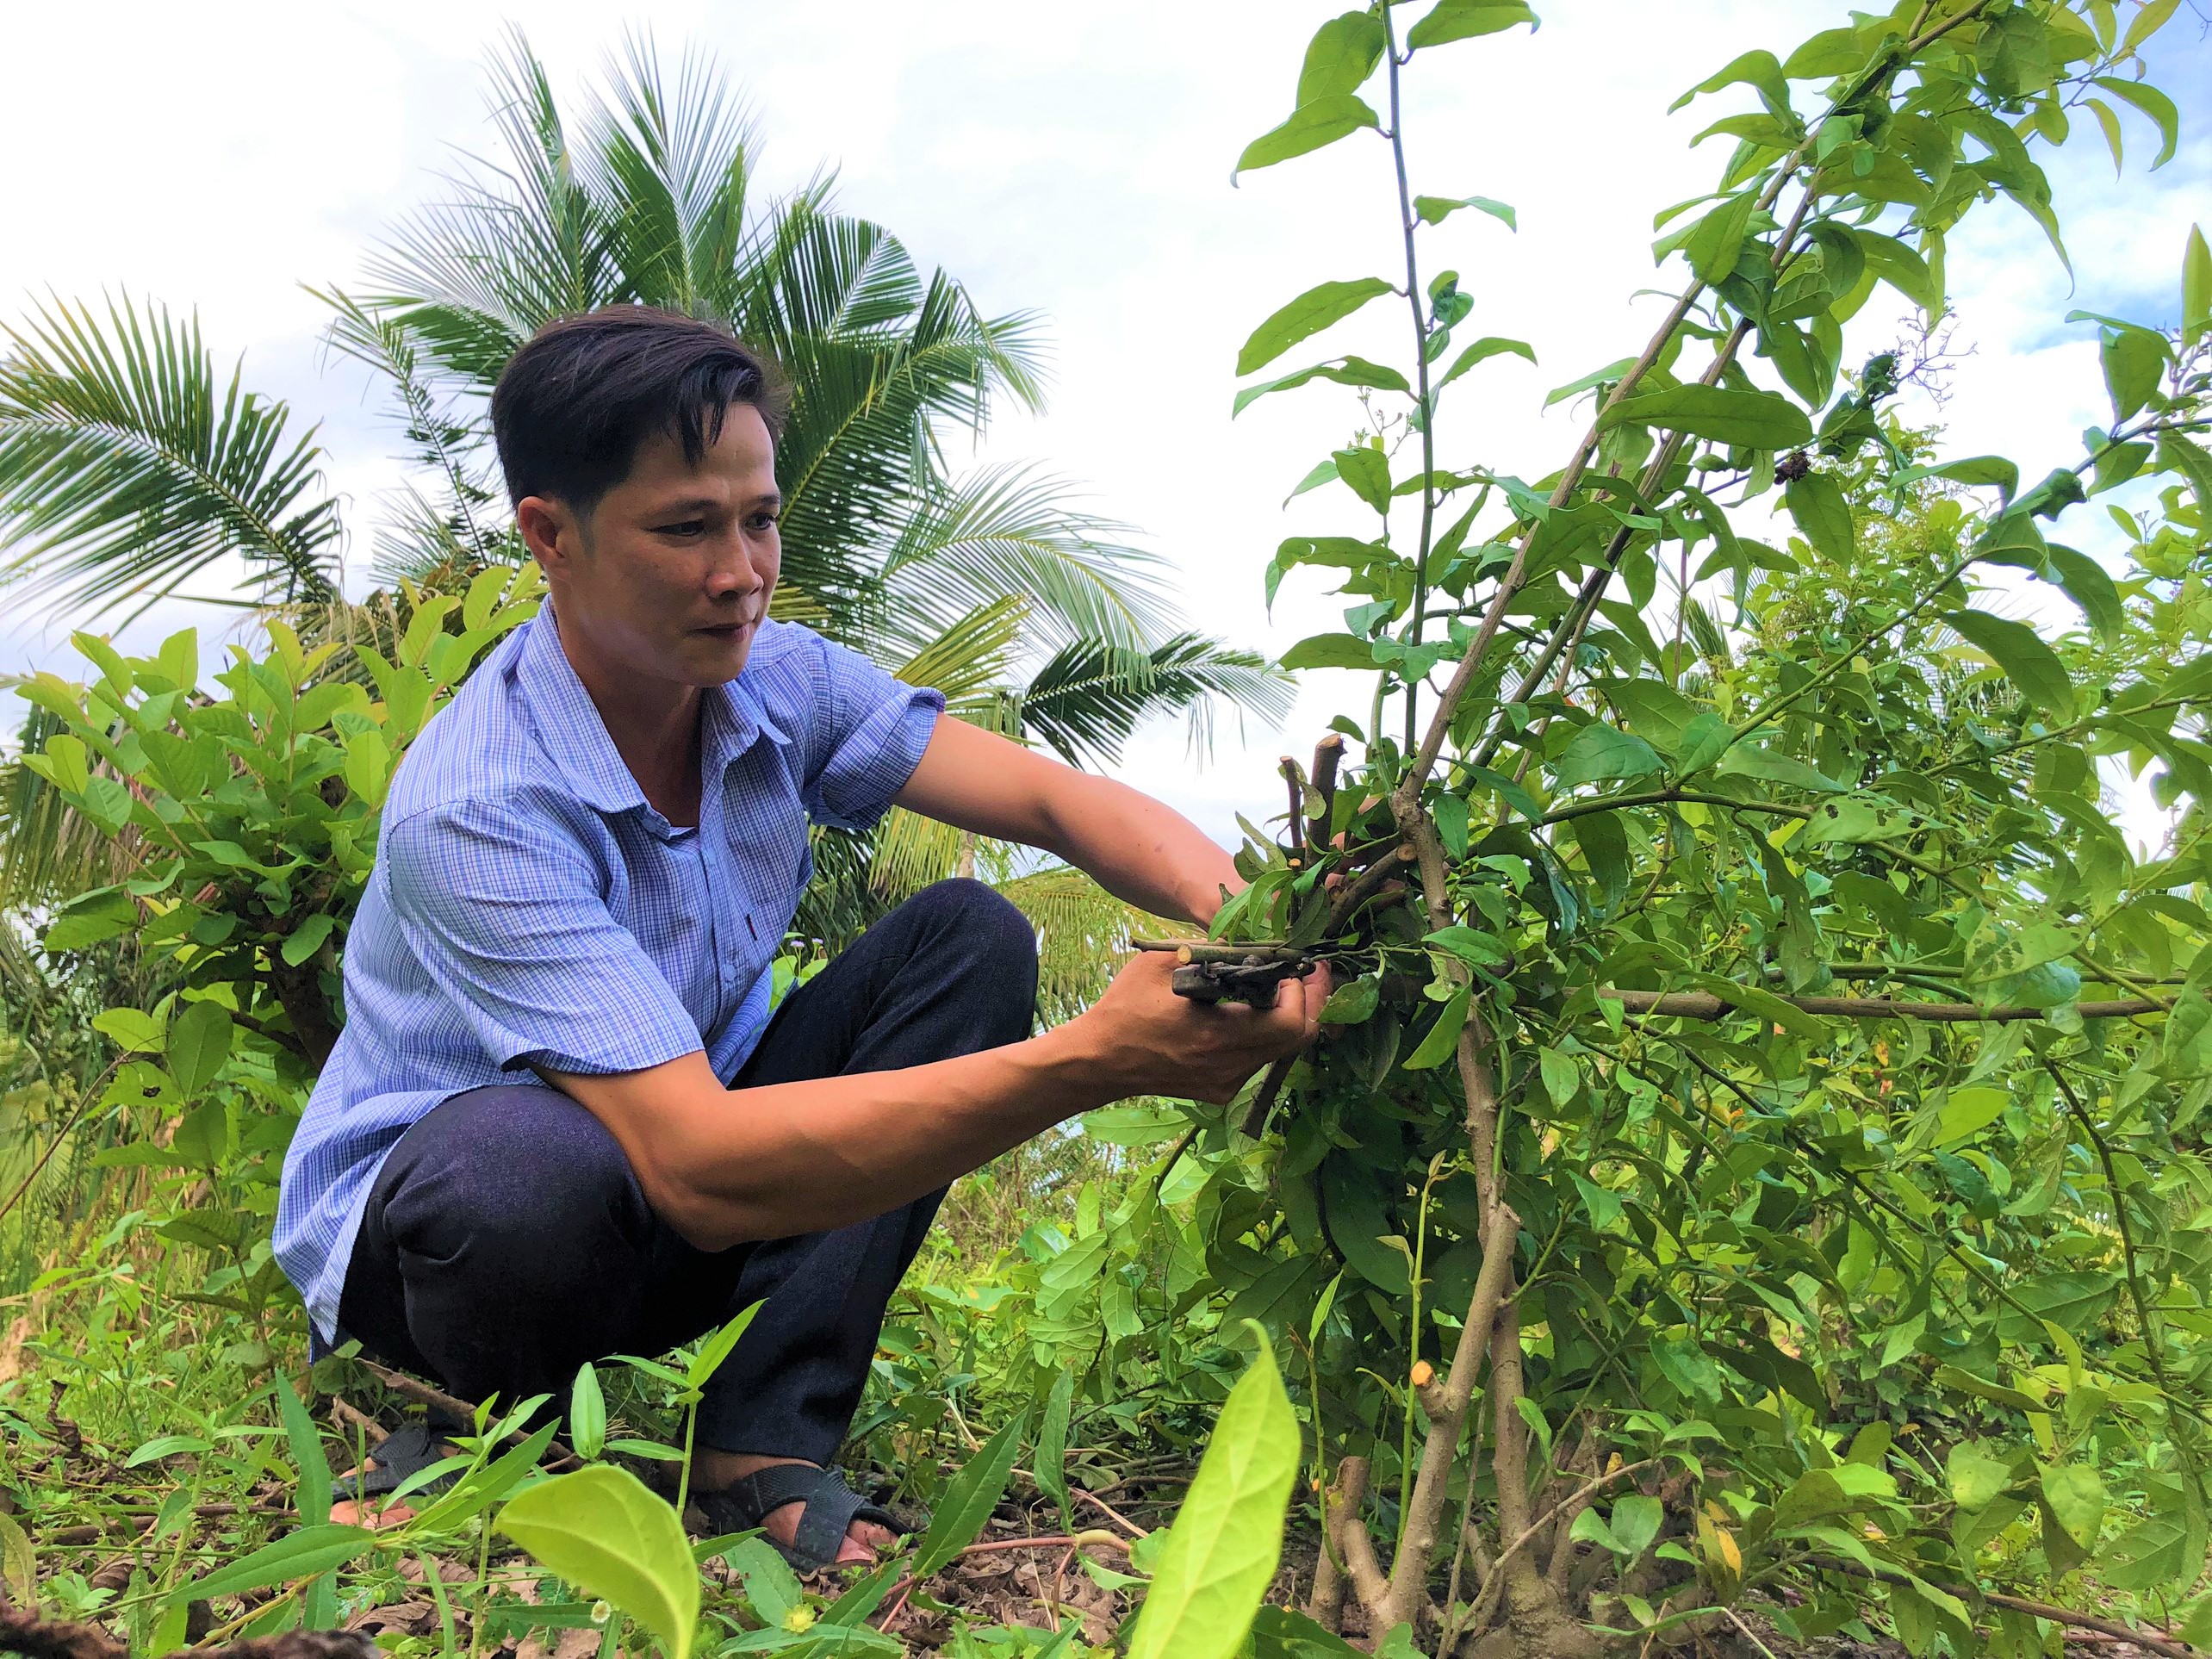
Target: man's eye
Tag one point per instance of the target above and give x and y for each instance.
(763, 522)
(683, 527)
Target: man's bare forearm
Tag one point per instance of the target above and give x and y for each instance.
(1139, 849)
(723, 1166)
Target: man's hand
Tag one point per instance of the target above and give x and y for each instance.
(1150, 1041)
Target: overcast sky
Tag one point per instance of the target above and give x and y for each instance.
(1072, 160)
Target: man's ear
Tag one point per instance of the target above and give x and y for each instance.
(549, 530)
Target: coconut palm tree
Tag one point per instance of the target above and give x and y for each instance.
(128, 467)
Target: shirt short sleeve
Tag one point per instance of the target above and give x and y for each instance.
(873, 729)
(504, 911)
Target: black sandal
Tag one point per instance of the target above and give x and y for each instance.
(831, 1507)
(405, 1453)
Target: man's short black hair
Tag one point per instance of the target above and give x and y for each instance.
(574, 404)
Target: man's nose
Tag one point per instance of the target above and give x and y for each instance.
(733, 572)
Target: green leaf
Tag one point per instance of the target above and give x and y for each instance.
(1311, 126)
(1635, 1522)
(135, 1031)
(2032, 666)
(312, 1498)
(1358, 1221)
(91, 917)
(298, 1555)
(588, 1413)
(1350, 371)
(19, 1564)
(1435, 209)
(2087, 584)
(2196, 289)
(1352, 1001)
(1223, 1549)
(307, 939)
(709, 1358)
(1705, 737)
(1902, 268)
(2075, 1493)
(2107, 123)
(1442, 1041)
(1761, 1004)
(1330, 651)
(1590, 1527)
(2146, 22)
(1816, 502)
(1968, 1111)
(1367, 471)
(770, 1585)
(603, 1529)
(199, 1043)
(1489, 346)
(1759, 69)
(168, 1445)
(1562, 1079)
(968, 1501)
(1975, 1477)
(1977, 471)
(1760, 420)
(2134, 360)
(1712, 245)
(2154, 103)
(1462, 20)
(1280, 1633)
(1340, 57)
(1051, 1461)
(1317, 308)
(1600, 753)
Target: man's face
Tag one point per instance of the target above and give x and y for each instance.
(668, 576)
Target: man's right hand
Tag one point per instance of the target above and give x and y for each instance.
(1152, 1041)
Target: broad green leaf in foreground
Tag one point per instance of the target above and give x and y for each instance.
(1228, 1536)
(297, 1555)
(603, 1530)
(969, 1499)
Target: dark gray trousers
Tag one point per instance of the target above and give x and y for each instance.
(506, 1240)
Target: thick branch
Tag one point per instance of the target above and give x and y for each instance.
(1326, 1606)
(1349, 1534)
(1447, 1408)
(1703, 1005)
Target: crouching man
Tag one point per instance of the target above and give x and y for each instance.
(563, 1121)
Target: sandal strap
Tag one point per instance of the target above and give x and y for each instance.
(406, 1452)
(830, 1508)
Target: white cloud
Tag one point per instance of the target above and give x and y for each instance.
(1072, 160)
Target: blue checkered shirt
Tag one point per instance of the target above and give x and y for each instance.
(529, 906)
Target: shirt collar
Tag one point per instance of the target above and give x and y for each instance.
(568, 725)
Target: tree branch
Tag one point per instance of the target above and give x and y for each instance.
(1703, 1005)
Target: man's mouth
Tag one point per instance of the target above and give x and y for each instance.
(724, 630)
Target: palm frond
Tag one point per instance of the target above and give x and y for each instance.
(1084, 702)
(1015, 530)
(671, 169)
(522, 241)
(969, 659)
(126, 468)
(1083, 934)
(445, 437)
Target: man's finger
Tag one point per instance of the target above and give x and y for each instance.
(1313, 990)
